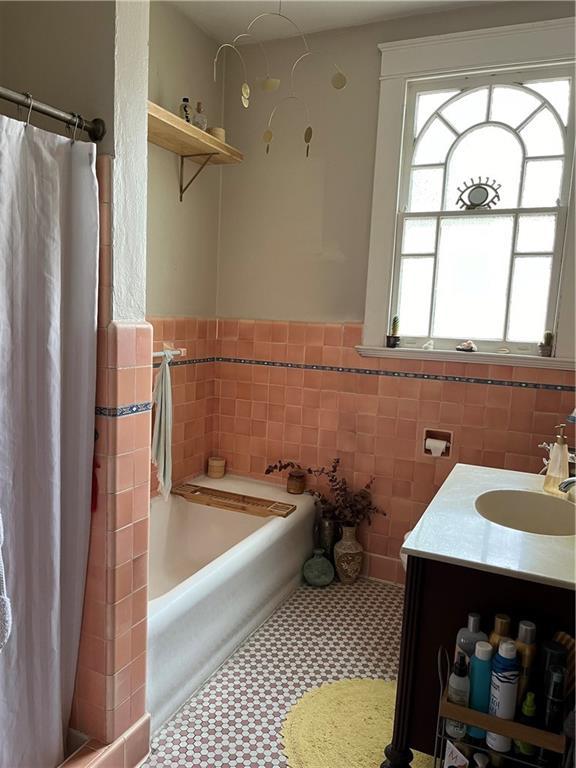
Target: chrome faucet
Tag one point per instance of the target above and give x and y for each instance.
(565, 485)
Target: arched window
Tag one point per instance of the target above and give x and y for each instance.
(482, 209)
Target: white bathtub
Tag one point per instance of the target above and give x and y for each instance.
(215, 576)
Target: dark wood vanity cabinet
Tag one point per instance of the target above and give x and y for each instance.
(438, 598)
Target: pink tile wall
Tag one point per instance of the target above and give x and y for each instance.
(109, 701)
(375, 424)
(256, 414)
(195, 406)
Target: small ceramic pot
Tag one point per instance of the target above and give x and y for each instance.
(296, 482)
(392, 341)
(348, 555)
(216, 467)
(318, 571)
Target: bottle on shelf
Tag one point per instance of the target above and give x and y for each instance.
(551, 654)
(481, 760)
(500, 632)
(199, 119)
(468, 636)
(503, 692)
(527, 717)
(554, 702)
(185, 109)
(458, 693)
(526, 647)
(480, 682)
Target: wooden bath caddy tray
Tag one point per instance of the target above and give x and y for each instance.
(237, 502)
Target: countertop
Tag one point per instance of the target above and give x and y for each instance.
(452, 531)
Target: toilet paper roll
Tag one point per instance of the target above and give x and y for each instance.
(436, 447)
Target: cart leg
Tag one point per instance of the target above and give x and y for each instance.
(398, 753)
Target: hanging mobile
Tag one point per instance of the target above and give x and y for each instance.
(308, 139)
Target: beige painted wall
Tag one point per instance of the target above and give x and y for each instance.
(63, 54)
(182, 237)
(295, 232)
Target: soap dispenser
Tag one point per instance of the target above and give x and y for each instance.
(557, 469)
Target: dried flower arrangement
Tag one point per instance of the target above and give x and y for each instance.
(340, 504)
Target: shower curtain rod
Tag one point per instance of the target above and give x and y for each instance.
(96, 129)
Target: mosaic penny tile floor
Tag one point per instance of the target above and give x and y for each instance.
(316, 636)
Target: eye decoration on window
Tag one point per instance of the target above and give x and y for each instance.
(478, 194)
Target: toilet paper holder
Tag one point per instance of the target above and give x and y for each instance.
(437, 435)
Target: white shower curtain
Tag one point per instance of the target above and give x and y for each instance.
(48, 287)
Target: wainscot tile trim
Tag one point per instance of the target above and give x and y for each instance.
(123, 410)
(368, 372)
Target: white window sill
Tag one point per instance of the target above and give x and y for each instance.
(448, 355)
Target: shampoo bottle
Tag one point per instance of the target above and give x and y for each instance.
(467, 637)
(503, 692)
(557, 469)
(480, 681)
(458, 693)
(501, 630)
(526, 647)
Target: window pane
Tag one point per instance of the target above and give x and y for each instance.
(536, 234)
(542, 183)
(512, 105)
(414, 295)
(542, 135)
(473, 265)
(426, 104)
(558, 94)
(491, 152)
(433, 144)
(419, 236)
(529, 298)
(468, 110)
(425, 189)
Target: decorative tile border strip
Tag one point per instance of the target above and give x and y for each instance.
(123, 410)
(372, 372)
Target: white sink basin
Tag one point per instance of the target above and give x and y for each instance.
(528, 511)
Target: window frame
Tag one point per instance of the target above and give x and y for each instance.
(470, 83)
(546, 51)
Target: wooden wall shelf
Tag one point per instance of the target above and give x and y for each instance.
(170, 132)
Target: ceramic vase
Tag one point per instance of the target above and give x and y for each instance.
(327, 537)
(318, 571)
(348, 555)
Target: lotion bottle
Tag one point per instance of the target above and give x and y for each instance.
(557, 469)
(468, 636)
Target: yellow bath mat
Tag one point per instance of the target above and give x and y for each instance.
(345, 724)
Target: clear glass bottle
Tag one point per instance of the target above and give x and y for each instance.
(558, 468)
(199, 119)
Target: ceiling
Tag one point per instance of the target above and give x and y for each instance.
(224, 19)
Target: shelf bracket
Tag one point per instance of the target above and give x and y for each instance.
(203, 165)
